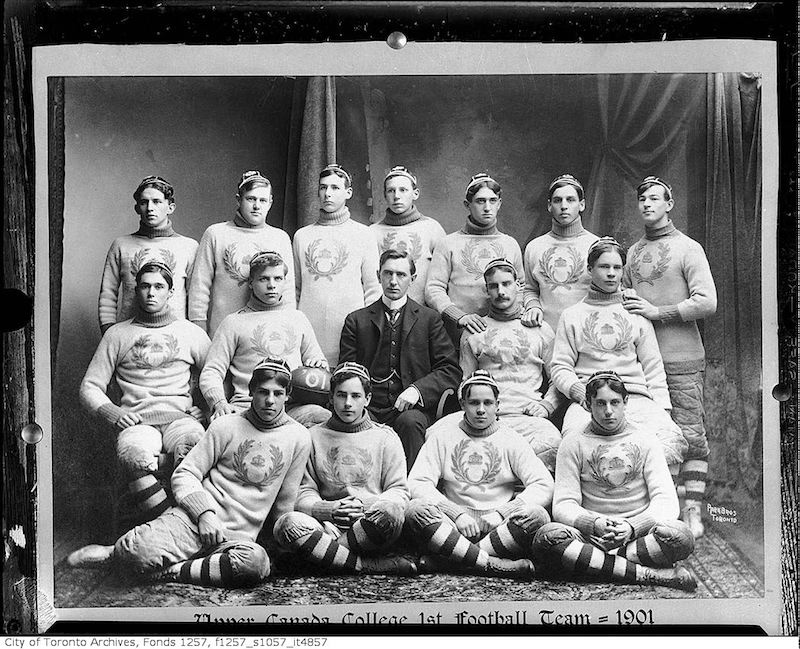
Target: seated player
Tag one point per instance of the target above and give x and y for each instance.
(151, 356)
(615, 508)
(266, 326)
(353, 496)
(407, 351)
(517, 357)
(244, 471)
(464, 509)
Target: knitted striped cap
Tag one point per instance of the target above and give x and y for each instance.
(604, 241)
(654, 180)
(500, 262)
(401, 171)
(477, 179)
(478, 377)
(354, 368)
(338, 170)
(565, 179)
(148, 181)
(274, 364)
(604, 374)
(250, 176)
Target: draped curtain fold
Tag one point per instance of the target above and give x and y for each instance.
(312, 145)
(733, 234)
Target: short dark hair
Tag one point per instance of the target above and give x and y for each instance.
(467, 389)
(156, 182)
(393, 253)
(600, 379)
(337, 378)
(606, 244)
(267, 260)
(474, 189)
(336, 170)
(262, 375)
(565, 183)
(154, 268)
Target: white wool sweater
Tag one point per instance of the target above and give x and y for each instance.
(336, 270)
(556, 276)
(152, 366)
(243, 473)
(419, 239)
(623, 475)
(478, 471)
(126, 256)
(245, 338)
(599, 334)
(219, 282)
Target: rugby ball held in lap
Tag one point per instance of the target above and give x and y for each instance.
(311, 385)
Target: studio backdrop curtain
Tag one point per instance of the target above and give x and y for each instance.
(733, 234)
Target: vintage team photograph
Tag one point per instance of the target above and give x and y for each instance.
(342, 341)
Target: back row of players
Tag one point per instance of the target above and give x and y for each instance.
(336, 272)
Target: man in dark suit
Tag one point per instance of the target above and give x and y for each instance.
(408, 353)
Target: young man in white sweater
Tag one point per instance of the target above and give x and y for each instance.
(669, 282)
(614, 509)
(406, 229)
(266, 326)
(352, 500)
(244, 473)
(219, 283)
(465, 511)
(155, 240)
(151, 356)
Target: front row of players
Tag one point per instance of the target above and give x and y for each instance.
(475, 501)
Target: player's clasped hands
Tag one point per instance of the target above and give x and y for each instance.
(347, 511)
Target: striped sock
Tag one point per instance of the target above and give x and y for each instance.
(585, 559)
(506, 540)
(445, 540)
(148, 495)
(326, 551)
(694, 474)
(212, 570)
(646, 551)
(363, 536)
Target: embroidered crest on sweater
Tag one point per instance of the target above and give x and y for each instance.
(143, 255)
(614, 466)
(607, 336)
(244, 460)
(235, 267)
(154, 355)
(477, 467)
(269, 341)
(347, 467)
(413, 246)
(642, 258)
(508, 348)
(561, 266)
(476, 254)
(326, 258)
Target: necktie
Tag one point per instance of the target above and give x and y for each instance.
(393, 315)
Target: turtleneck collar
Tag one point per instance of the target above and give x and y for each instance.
(361, 424)
(404, 218)
(334, 218)
(510, 313)
(474, 432)
(154, 320)
(254, 304)
(259, 423)
(239, 222)
(154, 233)
(597, 296)
(470, 227)
(657, 233)
(596, 429)
(574, 229)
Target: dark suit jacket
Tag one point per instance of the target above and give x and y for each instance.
(427, 356)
